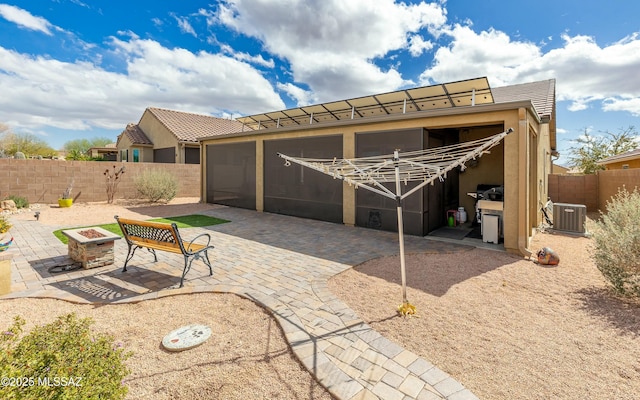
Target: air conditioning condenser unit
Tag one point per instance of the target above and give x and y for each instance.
(569, 217)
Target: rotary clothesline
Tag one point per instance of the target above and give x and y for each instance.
(424, 166)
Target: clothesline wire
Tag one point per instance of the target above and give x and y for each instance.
(420, 165)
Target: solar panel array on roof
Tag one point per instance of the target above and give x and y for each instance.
(446, 95)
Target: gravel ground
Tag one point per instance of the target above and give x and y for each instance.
(505, 327)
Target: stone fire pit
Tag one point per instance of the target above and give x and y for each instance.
(92, 247)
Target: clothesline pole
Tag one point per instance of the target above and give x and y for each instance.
(371, 173)
(403, 274)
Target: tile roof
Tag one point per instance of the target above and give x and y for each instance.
(190, 127)
(542, 95)
(135, 134)
(629, 155)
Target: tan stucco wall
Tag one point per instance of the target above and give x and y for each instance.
(618, 165)
(159, 135)
(519, 176)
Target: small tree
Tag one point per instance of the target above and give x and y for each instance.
(591, 149)
(82, 146)
(26, 143)
(617, 243)
(113, 179)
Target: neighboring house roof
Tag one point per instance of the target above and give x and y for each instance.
(629, 155)
(109, 147)
(559, 169)
(190, 127)
(135, 135)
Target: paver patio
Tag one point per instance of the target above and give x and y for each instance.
(282, 263)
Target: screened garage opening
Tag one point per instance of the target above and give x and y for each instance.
(298, 191)
(231, 174)
(425, 210)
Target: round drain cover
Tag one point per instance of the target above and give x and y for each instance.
(186, 337)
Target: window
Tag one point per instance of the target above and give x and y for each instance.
(625, 166)
(136, 155)
(124, 155)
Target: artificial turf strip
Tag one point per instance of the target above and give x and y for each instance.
(182, 221)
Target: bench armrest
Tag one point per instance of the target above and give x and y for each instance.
(192, 241)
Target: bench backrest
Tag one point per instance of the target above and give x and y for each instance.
(154, 234)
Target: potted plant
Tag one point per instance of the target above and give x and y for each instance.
(65, 200)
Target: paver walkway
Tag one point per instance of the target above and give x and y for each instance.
(282, 263)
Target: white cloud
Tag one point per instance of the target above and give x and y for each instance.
(332, 45)
(25, 19)
(257, 60)
(301, 96)
(489, 53)
(185, 26)
(631, 105)
(40, 91)
(587, 74)
(417, 45)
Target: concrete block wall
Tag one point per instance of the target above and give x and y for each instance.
(610, 181)
(594, 191)
(44, 181)
(574, 189)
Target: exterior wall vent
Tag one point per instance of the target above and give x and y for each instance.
(569, 217)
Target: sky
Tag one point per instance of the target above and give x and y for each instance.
(72, 69)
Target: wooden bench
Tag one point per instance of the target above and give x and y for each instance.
(165, 237)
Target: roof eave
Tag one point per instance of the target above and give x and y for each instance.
(619, 159)
(394, 117)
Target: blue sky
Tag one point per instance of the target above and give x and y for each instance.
(71, 69)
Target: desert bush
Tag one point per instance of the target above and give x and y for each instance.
(21, 202)
(61, 360)
(617, 243)
(156, 185)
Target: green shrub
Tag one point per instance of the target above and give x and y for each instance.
(21, 202)
(617, 243)
(156, 185)
(61, 360)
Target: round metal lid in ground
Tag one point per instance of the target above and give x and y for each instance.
(186, 337)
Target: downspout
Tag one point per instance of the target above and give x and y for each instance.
(523, 139)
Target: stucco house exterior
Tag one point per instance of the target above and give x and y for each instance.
(168, 136)
(627, 160)
(107, 153)
(242, 169)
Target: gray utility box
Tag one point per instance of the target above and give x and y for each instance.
(569, 217)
